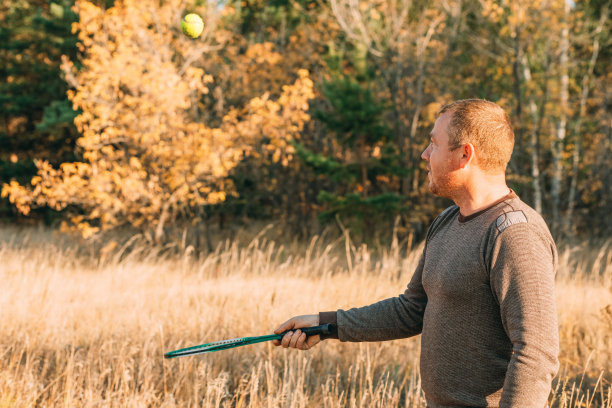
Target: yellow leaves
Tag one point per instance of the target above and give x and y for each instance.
(135, 163)
(216, 197)
(72, 169)
(262, 53)
(83, 227)
(198, 80)
(295, 99)
(430, 112)
(492, 10)
(147, 156)
(17, 195)
(275, 121)
(88, 21)
(502, 71)
(376, 152)
(86, 230)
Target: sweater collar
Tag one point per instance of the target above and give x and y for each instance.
(470, 217)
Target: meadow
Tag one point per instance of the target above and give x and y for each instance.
(81, 327)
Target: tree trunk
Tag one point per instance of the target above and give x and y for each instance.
(421, 55)
(535, 160)
(534, 134)
(568, 228)
(559, 140)
(362, 160)
(160, 229)
(516, 73)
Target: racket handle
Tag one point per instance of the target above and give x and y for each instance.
(312, 331)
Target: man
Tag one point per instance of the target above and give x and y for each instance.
(482, 295)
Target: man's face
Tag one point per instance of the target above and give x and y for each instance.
(442, 163)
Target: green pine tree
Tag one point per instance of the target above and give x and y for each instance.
(36, 119)
(358, 177)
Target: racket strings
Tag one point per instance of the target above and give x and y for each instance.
(242, 341)
(230, 341)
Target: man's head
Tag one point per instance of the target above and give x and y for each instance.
(469, 136)
(487, 126)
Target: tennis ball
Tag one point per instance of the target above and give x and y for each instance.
(192, 25)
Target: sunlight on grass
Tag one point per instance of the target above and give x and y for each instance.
(78, 330)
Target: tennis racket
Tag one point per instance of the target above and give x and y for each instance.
(243, 341)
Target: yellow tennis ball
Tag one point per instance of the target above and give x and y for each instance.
(192, 25)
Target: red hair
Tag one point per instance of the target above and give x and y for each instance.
(484, 124)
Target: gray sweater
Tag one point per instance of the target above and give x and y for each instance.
(483, 299)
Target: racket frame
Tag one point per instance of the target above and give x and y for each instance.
(243, 341)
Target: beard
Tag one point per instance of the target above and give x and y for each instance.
(442, 186)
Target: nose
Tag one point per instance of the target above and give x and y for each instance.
(425, 154)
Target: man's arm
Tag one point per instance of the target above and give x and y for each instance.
(393, 318)
(389, 319)
(522, 276)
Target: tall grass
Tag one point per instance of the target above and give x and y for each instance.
(78, 330)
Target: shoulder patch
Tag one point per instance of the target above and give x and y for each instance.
(507, 219)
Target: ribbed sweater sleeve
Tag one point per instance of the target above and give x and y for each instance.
(393, 318)
(522, 269)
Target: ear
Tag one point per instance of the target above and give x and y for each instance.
(468, 153)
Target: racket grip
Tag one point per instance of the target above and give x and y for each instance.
(314, 330)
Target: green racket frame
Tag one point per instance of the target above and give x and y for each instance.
(244, 341)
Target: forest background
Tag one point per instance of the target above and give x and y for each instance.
(216, 187)
(307, 114)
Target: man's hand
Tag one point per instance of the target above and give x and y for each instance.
(295, 338)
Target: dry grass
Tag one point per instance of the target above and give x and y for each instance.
(82, 331)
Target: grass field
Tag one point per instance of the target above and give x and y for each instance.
(89, 331)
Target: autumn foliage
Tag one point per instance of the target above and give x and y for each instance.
(147, 157)
(303, 112)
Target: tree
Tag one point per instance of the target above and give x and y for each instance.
(36, 117)
(360, 173)
(405, 59)
(591, 40)
(147, 160)
(399, 36)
